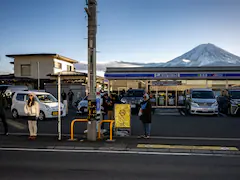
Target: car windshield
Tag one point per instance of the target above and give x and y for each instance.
(46, 98)
(134, 94)
(235, 94)
(203, 95)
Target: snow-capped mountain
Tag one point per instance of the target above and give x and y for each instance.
(202, 55)
(205, 55)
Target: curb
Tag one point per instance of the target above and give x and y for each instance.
(128, 150)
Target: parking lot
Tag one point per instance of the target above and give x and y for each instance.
(165, 123)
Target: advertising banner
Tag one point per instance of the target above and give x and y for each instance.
(122, 115)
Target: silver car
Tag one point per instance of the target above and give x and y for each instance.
(201, 102)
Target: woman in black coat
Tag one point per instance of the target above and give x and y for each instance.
(145, 114)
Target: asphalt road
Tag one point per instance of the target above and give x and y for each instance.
(64, 165)
(162, 125)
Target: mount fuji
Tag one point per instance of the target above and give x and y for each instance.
(202, 55)
(205, 55)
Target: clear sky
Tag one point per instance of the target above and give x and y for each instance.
(129, 30)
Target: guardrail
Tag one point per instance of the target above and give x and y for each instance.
(111, 128)
(72, 126)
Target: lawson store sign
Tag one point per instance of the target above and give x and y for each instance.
(172, 75)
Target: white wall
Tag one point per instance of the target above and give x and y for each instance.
(45, 66)
(64, 66)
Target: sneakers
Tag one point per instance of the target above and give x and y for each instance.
(147, 137)
(142, 136)
(6, 134)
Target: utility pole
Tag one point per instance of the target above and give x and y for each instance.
(92, 31)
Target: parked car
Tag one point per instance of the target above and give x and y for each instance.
(201, 102)
(83, 106)
(134, 98)
(47, 102)
(234, 95)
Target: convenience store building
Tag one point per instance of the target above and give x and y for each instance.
(170, 82)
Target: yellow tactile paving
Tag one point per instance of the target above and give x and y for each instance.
(213, 148)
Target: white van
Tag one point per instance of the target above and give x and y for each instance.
(48, 104)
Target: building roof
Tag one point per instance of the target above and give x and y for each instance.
(57, 56)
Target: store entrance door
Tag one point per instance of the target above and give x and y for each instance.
(167, 96)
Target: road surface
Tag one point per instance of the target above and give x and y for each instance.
(162, 125)
(65, 165)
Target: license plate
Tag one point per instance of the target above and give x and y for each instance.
(133, 105)
(55, 113)
(205, 110)
(85, 110)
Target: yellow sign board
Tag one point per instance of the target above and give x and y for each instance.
(122, 114)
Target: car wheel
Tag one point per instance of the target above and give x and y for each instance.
(41, 116)
(15, 114)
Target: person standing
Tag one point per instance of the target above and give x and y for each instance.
(223, 102)
(64, 95)
(146, 116)
(110, 107)
(32, 110)
(70, 97)
(3, 106)
(64, 99)
(105, 105)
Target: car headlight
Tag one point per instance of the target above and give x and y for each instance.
(47, 107)
(215, 104)
(194, 104)
(233, 102)
(123, 101)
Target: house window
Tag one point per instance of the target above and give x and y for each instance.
(25, 70)
(58, 65)
(69, 68)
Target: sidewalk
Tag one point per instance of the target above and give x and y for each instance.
(124, 144)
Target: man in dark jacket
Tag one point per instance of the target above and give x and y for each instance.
(70, 97)
(3, 106)
(223, 102)
(145, 114)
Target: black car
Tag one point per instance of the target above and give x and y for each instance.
(133, 97)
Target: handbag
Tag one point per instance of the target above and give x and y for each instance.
(140, 112)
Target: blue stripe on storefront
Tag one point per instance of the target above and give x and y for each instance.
(128, 75)
(200, 75)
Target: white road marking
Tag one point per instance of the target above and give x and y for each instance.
(196, 138)
(40, 134)
(168, 114)
(117, 152)
(16, 124)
